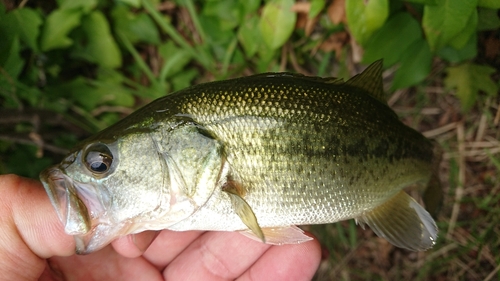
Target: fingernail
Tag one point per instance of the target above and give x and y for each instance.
(144, 239)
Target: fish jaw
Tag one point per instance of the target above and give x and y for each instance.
(71, 210)
(81, 211)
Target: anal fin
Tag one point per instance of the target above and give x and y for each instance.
(280, 235)
(403, 222)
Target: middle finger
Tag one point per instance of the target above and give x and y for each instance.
(215, 256)
(167, 245)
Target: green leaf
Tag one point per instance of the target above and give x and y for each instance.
(101, 47)
(365, 17)
(316, 7)
(175, 59)
(199, 53)
(376, 14)
(425, 2)
(111, 82)
(249, 36)
(132, 3)
(488, 19)
(11, 61)
(30, 94)
(140, 64)
(446, 20)
(112, 93)
(183, 79)
(250, 6)
(136, 27)
(391, 41)
(79, 91)
(228, 13)
(459, 41)
(218, 38)
(214, 31)
(24, 22)
(57, 26)
(7, 93)
(16, 162)
(453, 55)
(266, 56)
(492, 4)
(66, 140)
(195, 19)
(415, 66)
(84, 5)
(468, 79)
(277, 22)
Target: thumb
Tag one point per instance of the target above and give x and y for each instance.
(30, 230)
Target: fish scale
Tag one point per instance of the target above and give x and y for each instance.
(245, 121)
(257, 154)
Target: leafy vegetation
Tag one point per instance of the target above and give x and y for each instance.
(70, 68)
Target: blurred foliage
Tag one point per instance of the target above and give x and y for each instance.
(89, 61)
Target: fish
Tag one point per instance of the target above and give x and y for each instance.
(259, 155)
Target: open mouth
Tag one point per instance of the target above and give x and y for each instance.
(78, 208)
(64, 197)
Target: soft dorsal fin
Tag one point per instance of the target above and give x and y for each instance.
(370, 80)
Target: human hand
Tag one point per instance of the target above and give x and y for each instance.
(33, 246)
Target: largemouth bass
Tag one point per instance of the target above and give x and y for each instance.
(259, 154)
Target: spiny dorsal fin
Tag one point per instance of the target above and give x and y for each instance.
(326, 80)
(242, 209)
(403, 222)
(370, 80)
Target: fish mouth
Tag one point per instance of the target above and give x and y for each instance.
(79, 209)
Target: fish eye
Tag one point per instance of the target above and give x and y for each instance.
(98, 158)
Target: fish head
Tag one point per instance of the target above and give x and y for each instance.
(103, 190)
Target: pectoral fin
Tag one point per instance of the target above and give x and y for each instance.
(403, 222)
(280, 235)
(243, 210)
